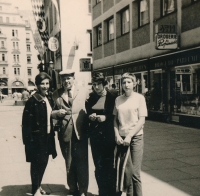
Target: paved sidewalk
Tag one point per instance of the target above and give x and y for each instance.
(171, 165)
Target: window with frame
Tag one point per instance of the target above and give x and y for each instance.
(90, 6)
(3, 57)
(16, 31)
(0, 31)
(17, 71)
(125, 21)
(13, 33)
(7, 20)
(168, 6)
(17, 45)
(99, 35)
(28, 59)
(143, 12)
(1, 19)
(27, 36)
(14, 45)
(17, 58)
(28, 47)
(111, 29)
(4, 70)
(26, 23)
(14, 58)
(2, 44)
(29, 71)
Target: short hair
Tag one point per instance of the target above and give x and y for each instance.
(99, 77)
(41, 76)
(128, 75)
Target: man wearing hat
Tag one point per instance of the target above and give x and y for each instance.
(72, 134)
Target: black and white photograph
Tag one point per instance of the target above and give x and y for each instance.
(100, 97)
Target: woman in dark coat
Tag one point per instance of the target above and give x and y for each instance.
(99, 108)
(37, 132)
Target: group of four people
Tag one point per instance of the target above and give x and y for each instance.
(102, 117)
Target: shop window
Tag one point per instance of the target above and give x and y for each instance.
(125, 21)
(29, 72)
(4, 70)
(99, 35)
(185, 94)
(28, 59)
(111, 29)
(168, 6)
(143, 12)
(28, 47)
(3, 57)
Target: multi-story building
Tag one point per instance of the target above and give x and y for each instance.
(158, 41)
(18, 57)
(71, 23)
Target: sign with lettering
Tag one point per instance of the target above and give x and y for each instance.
(166, 41)
(85, 64)
(167, 28)
(53, 44)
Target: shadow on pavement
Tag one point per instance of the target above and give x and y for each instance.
(25, 190)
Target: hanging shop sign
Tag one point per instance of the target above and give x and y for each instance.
(85, 64)
(53, 44)
(166, 41)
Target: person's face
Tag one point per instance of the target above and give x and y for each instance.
(98, 87)
(67, 81)
(128, 84)
(43, 87)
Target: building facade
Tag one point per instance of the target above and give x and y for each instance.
(18, 58)
(70, 23)
(158, 41)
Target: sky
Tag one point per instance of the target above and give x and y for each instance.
(22, 4)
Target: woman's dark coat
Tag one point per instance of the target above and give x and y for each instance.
(34, 129)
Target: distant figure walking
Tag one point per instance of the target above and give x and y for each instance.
(15, 97)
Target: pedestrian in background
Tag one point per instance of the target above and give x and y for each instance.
(113, 90)
(100, 105)
(71, 115)
(15, 97)
(37, 132)
(25, 96)
(130, 112)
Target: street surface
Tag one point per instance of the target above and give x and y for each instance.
(171, 164)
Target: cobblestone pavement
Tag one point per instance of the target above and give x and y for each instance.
(171, 164)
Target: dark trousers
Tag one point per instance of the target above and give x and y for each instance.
(102, 147)
(75, 153)
(38, 167)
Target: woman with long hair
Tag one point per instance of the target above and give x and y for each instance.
(37, 132)
(130, 112)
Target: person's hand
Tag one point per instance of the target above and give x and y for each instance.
(119, 139)
(101, 118)
(92, 117)
(61, 113)
(127, 140)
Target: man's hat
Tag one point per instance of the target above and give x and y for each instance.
(68, 72)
